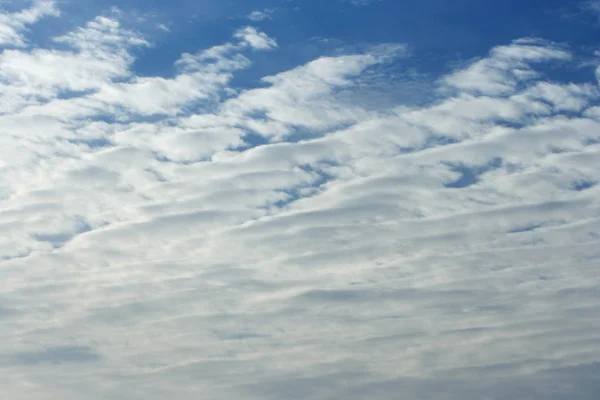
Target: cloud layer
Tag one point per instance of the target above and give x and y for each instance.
(176, 236)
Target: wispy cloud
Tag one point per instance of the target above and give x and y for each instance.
(263, 15)
(361, 3)
(592, 5)
(13, 25)
(255, 39)
(506, 67)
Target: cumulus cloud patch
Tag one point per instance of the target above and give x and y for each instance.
(263, 15)
(255, 39)
(187, 237)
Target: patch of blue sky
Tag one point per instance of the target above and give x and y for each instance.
(443, 34)
(92, 143)
(58, 239)
(321, 178)
(56, 355)
(469, 175)
(251, 140)
(583, 185)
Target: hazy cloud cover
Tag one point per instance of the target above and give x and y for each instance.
(239, 228)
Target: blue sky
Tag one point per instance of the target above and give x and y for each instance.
(440, 32)
(299, 200)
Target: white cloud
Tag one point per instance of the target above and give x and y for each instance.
(255, 39)
(99, 54)
(12, 25)
(163, 27)
(175, 237)
(506, 67)
(361, 3)
(301, 98)
(263, 15)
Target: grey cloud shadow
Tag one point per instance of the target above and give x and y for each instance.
(577, 382)
(525, 228)
(6, 312)
(56, 355)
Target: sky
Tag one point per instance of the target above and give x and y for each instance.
(285, 199)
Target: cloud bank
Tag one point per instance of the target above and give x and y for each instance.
(181, 237)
